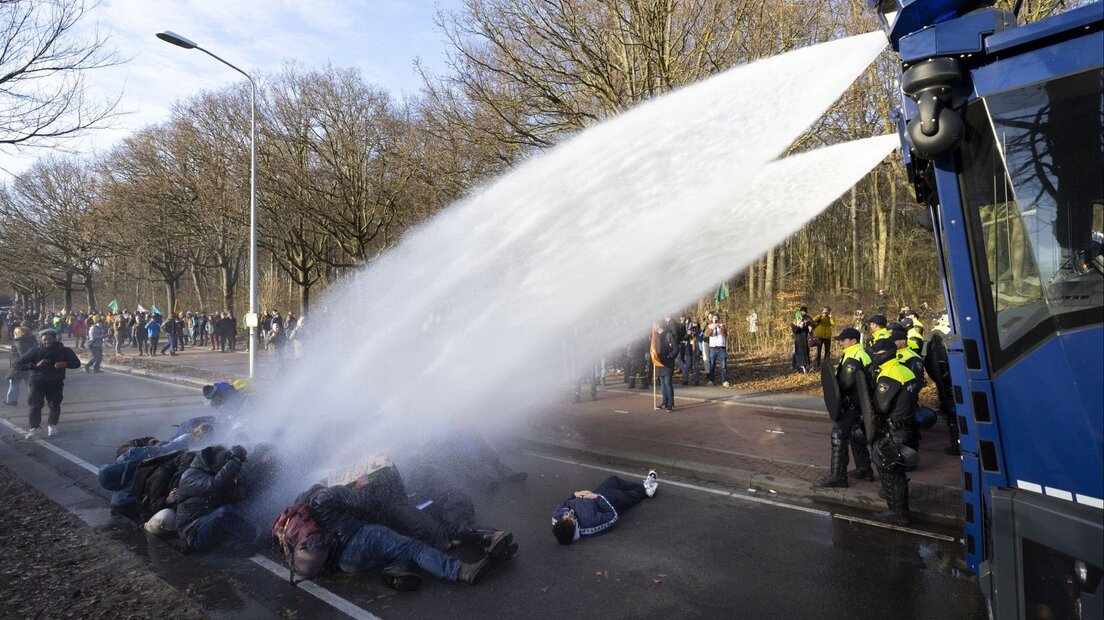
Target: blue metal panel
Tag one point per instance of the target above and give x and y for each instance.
(1052, 420)
(965, 35)
(1068, 57)
(1032, 33)
(973, 505)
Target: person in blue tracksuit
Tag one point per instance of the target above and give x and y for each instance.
(590, 513)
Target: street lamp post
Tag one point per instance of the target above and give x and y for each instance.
(251, 318)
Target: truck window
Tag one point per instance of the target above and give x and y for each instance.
(1032, 179)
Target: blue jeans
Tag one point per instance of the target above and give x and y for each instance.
(689, 362)
(666, 385)
(13, 391)
(375, 545)
(223, 526)
(97, 357)
(716, 353)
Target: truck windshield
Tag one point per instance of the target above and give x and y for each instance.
(1032, 179)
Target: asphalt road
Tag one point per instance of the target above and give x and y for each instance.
(689, 552)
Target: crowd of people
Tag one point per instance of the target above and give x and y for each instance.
(149, 333)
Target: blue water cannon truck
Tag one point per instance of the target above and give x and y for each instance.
(1001, 132)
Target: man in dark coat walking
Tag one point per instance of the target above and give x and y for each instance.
(47, 365)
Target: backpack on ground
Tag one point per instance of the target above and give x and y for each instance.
(306, 547)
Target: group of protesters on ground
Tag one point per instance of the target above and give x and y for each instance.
(203, 491)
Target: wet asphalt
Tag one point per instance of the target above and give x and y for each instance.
(689, 552)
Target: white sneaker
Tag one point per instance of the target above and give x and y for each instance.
(725, 384)
(31, 434)
(710, 383)
(51, 430)
(651, 483)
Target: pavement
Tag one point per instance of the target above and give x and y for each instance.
(765, 442)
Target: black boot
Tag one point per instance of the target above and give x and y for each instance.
(472, 572)
(837, 476)
(895, 486)
(860, 473)
(495, 542)
(401, 577)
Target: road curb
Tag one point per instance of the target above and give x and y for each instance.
(863, 495)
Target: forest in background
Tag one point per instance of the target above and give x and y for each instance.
(344, 169)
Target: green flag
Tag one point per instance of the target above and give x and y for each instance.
(722, 293)
(157, 310)
(113, 305)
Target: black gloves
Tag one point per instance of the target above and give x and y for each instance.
(238, 452)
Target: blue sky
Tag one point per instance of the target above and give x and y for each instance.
(380, 37)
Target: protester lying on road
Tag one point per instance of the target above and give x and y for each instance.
(360, 545)
(590, 513)
(119, 475)
(440, 517)
(205, 517)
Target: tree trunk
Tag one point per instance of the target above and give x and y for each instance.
(170, 294)
(304, 300)
(227, 279)
(198, 289)
(90, 291)
(768, 281)
(854, 238)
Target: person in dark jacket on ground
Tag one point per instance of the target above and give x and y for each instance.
(364, 545)
(590, 513)
(438, 516)
(205, 517)
(47, 364)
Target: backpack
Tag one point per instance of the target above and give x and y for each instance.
(306, 547)
(154, 479)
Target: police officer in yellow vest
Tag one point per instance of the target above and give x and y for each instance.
(895, 443)
(848, 427)
(915, 334)
(905, 355)
(878, 331)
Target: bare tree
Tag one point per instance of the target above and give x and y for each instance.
(44, 59)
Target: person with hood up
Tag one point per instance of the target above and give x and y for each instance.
(47, 364)
(205, 516)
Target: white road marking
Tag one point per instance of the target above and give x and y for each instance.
(52, 448)
(322, 594)
(316, 590)
(759, 500)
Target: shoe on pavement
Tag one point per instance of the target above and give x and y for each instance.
(51, 430)
(651, 483)
(97, 370)
(725, 384)
(496, 543)
(472, 572)
(400, 577)
(832, 482)
(31, 434)
(670, 409)
(709, 383)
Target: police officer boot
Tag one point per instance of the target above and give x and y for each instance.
(837, 475)
(895, 486)
(863, 470)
